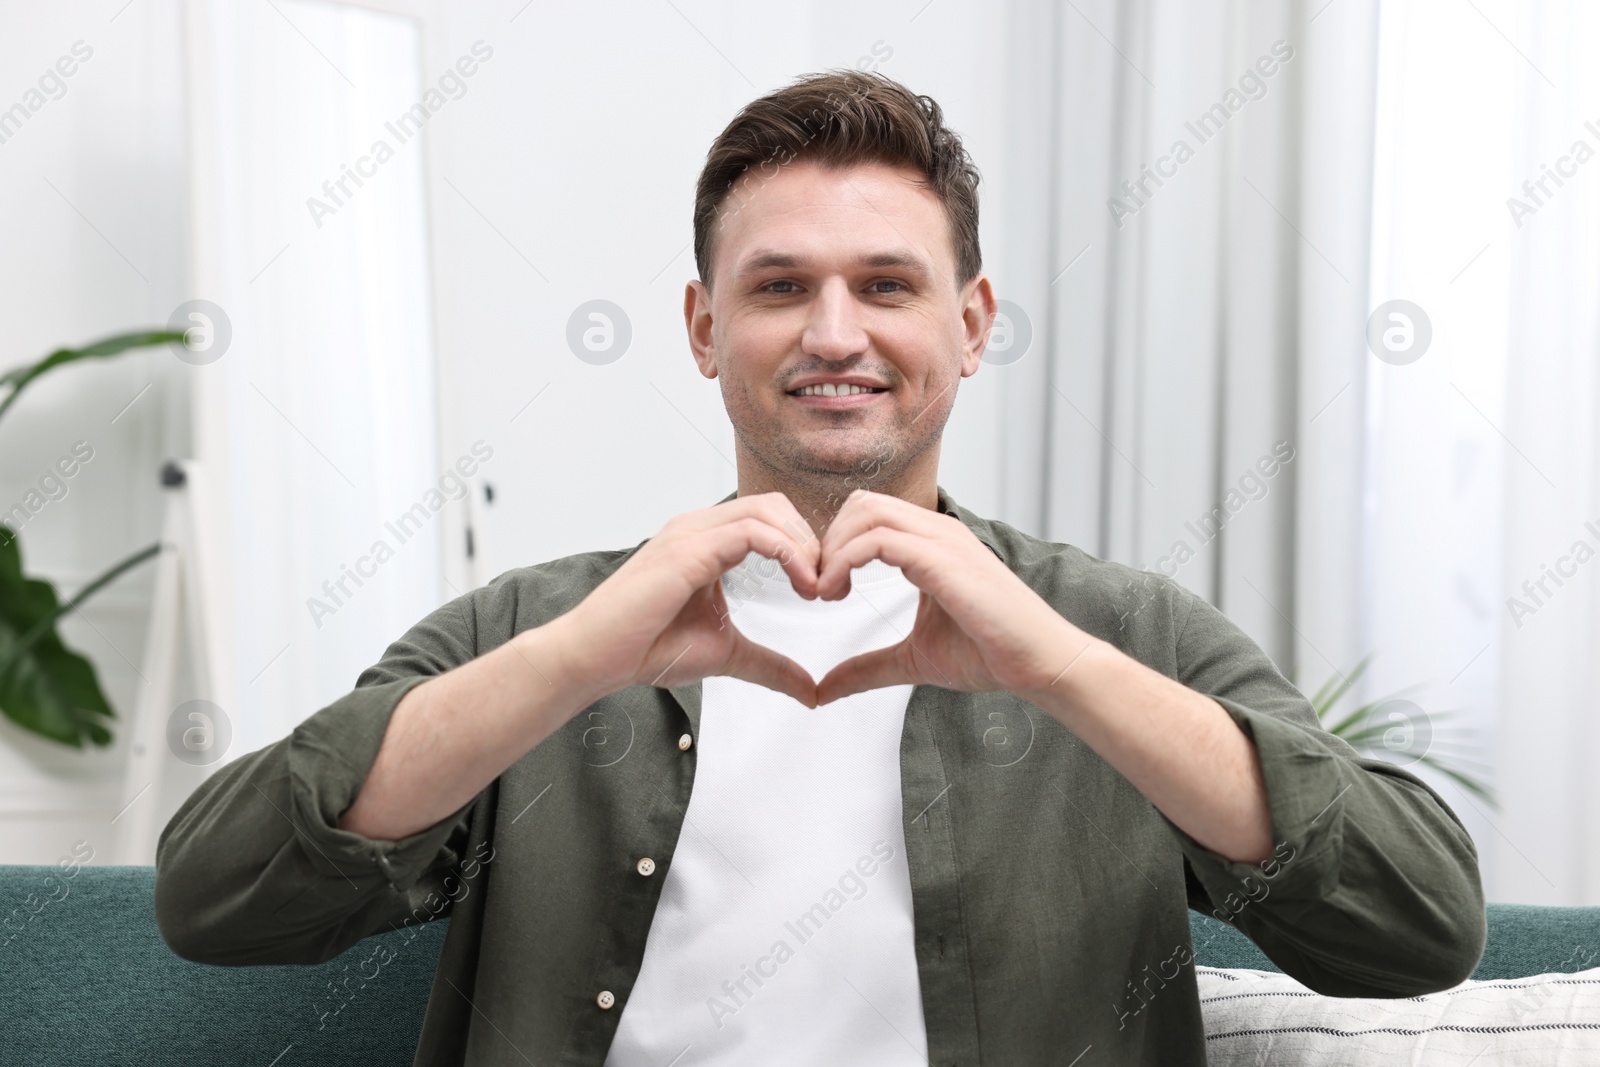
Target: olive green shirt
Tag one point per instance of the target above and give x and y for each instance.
(1050, 898)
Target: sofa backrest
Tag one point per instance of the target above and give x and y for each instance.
(1524, 940)
(86, 979)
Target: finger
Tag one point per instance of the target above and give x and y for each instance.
(730, 543)
(762, 666)
(908, 551)
(862, 510)
(870, 670)
(774, 508)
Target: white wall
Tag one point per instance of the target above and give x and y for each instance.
(94, 241)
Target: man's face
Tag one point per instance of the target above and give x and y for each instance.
(833, 278)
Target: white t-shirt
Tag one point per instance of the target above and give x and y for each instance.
(784, 932)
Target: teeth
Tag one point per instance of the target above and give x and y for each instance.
(829, 389)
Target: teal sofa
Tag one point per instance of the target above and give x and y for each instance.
(86, 979)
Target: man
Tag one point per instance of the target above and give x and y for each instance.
(832, 771)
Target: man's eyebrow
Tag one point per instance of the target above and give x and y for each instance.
(762, 261)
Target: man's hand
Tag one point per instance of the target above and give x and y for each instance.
(662, 618)
(978, 627)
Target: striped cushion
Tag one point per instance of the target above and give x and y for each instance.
(1258, 1017)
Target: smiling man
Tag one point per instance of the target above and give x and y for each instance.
(834, 770)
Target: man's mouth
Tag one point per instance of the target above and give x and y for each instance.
(830, 389)
(836, 396)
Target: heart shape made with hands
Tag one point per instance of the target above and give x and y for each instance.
(779, 672)
(978, 627)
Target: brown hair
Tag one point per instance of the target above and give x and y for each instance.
(841, 118)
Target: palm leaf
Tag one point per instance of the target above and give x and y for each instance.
(1366, 732)
(1331, 691)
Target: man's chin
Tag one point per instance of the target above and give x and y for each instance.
(862, 466)
(851, 459)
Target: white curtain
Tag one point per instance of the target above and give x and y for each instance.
(1548, 744)
(1210, 314)
(1195, 406)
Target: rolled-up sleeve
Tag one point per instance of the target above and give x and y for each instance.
(253, 867)
(1373, 888)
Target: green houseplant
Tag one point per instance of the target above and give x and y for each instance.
(1381, 728)
(45, 687)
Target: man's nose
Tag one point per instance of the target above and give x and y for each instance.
(835, 329)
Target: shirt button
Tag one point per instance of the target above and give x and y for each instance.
(605, 999)
(646, 866)
(684, 742)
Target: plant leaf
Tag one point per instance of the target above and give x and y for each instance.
(20, 378)
(44, 686)
(1363, 731)
(1465, 780)
(1331, 691)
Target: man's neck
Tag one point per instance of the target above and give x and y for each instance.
(818, 499)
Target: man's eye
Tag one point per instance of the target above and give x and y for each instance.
(768, 288)
(888, 281)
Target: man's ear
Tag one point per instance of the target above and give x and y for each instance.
(697, 318)
(977, 319)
